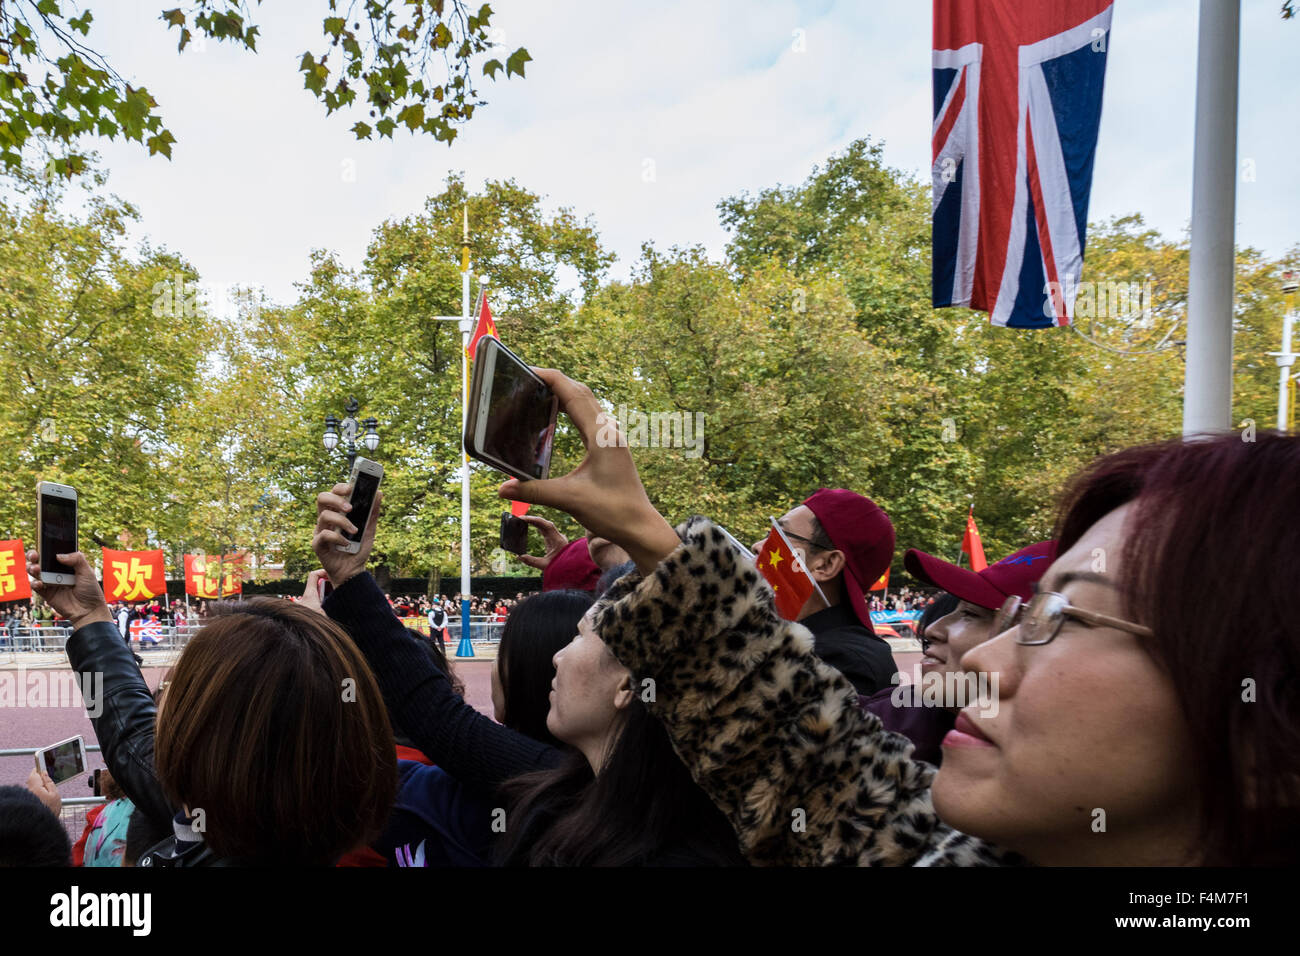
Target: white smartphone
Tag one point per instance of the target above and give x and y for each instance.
(64, 760)
(56, 530)
(366, 475)
(512, 412)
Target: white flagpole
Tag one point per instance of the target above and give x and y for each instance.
(465, 648)
(1207, 393)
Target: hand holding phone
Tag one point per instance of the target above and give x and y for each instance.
(56, 529)
(334, 525)
(64, 760)
(510, 423)
(82, 601)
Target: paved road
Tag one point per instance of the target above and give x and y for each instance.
(39, 726)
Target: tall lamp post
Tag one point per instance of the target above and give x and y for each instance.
(1286, 358)
(347, 429)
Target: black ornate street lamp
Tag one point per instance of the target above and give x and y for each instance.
(347, 430)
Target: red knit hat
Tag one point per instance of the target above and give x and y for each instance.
(571, 569)
(858, 528)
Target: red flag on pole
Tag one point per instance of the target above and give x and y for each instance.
(14, 583)
(882, 584)
(972, 545)
(133, 575)
(485, 327)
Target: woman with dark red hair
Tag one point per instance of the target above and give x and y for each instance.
(1146, 711)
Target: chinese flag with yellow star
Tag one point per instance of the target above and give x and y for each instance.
(133, 575)
(14, 583)
(790, 582)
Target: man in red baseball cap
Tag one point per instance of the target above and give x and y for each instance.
(979, 596)
(847, 543)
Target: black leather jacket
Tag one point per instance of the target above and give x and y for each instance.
(125, 725)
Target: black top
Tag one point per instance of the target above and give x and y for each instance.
(474, 749)
(841, 641)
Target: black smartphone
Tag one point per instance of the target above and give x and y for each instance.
(510, 423)
(514, 533)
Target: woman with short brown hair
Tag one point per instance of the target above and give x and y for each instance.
(272, 740)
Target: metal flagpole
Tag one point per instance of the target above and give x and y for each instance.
(466, 647)
(1207, 391)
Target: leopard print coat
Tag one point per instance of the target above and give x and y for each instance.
(774, 736)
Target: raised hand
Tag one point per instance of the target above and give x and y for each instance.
(552, 537)
(604, 493)
(331, 523)
(82, 601)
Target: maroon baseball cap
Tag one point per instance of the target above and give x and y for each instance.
(863, 532)
(1015, 574)
(571, 569)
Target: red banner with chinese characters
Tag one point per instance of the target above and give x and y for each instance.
(205, 572)
(133, 575)
(14, 583)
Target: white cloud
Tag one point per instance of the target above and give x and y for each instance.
(713, 93)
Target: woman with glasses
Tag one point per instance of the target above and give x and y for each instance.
(1133, 725)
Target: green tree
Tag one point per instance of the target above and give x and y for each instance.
(413, 64)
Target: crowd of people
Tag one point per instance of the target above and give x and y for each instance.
(1132, 694)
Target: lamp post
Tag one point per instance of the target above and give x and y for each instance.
(1286, 358)
(347, 429)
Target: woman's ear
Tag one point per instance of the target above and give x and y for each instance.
(624, 693)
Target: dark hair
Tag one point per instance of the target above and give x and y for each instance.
(819, 537)
(274, 726)
(610, 575)
(535, 631)
(643, 808)
(941, 606)
(1210, 565)
(30, 835)
(142, 835)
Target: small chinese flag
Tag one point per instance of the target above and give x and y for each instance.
(790, 582)
(14, 583)
(519, 508)
(972, 545)
(882, 584)
(485, 327)
(133, 575)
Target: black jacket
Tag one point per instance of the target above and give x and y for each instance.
(125, 729)
(125, 725)
(841, 641)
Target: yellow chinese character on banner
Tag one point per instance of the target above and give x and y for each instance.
(132, 580)
(7, 582)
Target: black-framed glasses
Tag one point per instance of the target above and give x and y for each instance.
(798, 537)
(1041, 619)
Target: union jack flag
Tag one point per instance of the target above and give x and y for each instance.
(1017, 104)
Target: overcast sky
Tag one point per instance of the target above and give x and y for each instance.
(720, 97)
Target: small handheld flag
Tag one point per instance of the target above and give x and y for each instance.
(784, 569)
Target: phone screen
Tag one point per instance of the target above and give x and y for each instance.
(363, 499)
(521, 418)
(64, 761)
(58, 532)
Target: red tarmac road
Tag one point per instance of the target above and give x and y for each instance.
(33, 726)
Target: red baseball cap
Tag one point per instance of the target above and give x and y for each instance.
(1015, 574)
(863, 532)
(571, 569)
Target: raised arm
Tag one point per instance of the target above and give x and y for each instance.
(476, 750)
(118, 701)
(770, 732)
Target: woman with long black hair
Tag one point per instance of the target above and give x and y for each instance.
(620, 797)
